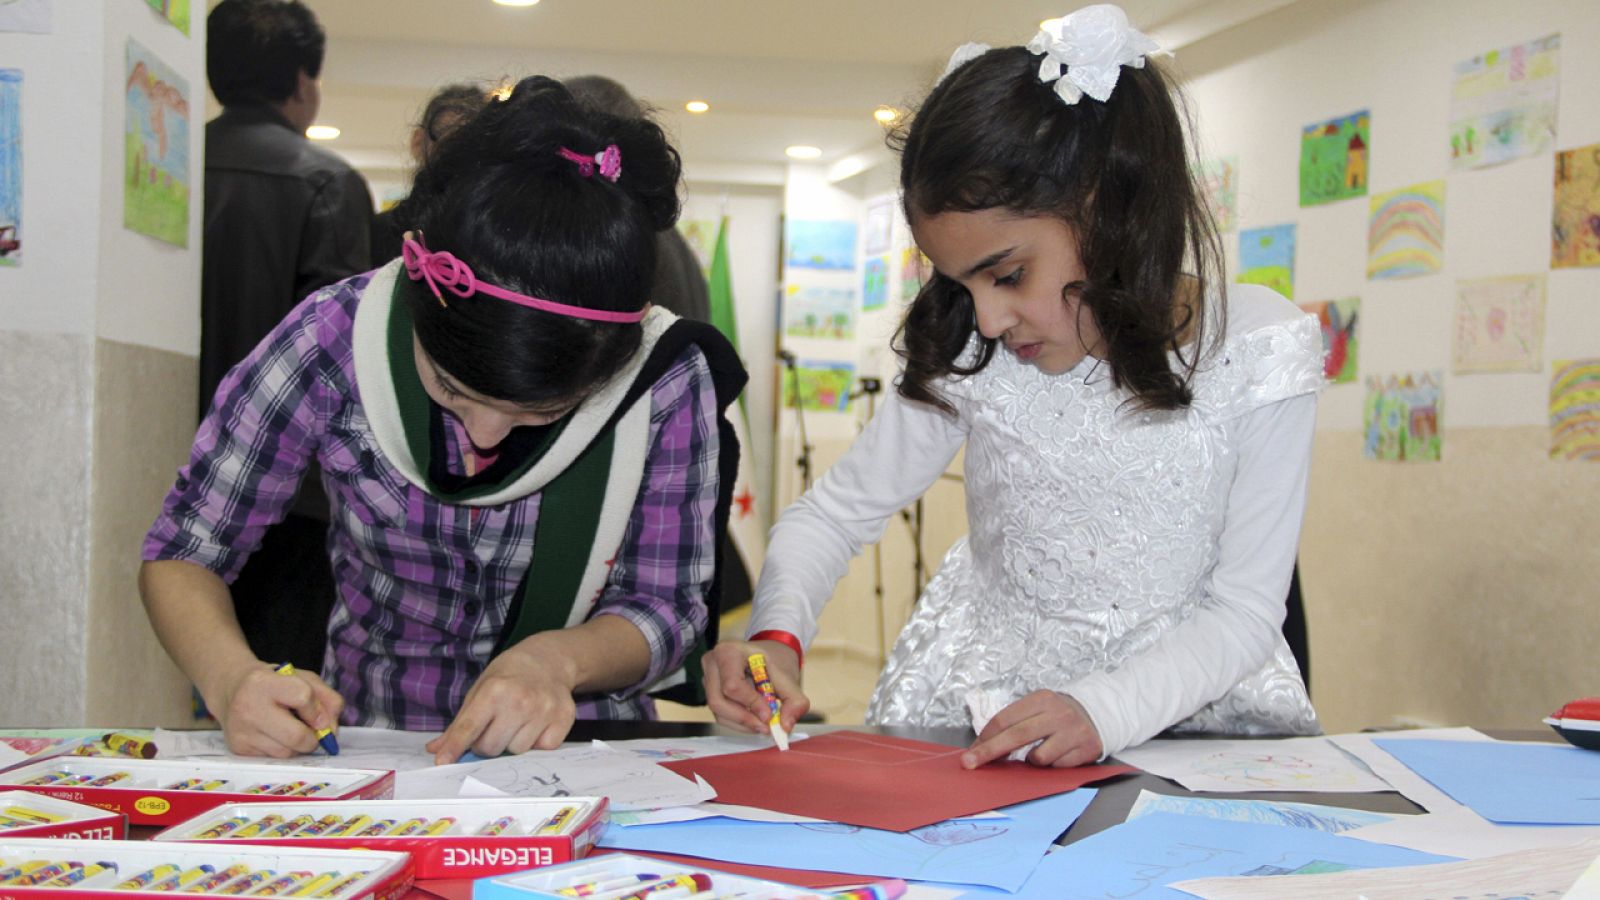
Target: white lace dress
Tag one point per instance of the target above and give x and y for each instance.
(1138, 561)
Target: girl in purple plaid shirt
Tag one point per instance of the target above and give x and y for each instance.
(526, 462)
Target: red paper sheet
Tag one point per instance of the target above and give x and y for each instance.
(878, 781)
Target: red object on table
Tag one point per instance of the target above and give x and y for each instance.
(877, 781)
(807, 878)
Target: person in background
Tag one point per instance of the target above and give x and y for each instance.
(449, 107)
(1137, 433)
(283, 217)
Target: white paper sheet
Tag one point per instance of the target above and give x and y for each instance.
(1411, 785)
(1527, 873)
(1292, 764)
(359, 748)
(1462, 832)
(631, 781)
(669, 749)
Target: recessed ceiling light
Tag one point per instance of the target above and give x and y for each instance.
(322, 132)
(1044, 24)
(802, 151)
(886, 114)
(697, 106)
(517, 2)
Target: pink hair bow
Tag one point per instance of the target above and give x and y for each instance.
(444, 269)
(609, 160)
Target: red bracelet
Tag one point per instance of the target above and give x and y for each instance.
(784, 638)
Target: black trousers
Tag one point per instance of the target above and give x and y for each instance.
(284, 594)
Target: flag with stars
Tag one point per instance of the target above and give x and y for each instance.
(745, 527)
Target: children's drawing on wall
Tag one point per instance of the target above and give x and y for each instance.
(156, 148)
(819, 244)
(914, 270)
(1402, 417)
(875, 283)
(1333, 159)
(1266, 256)
(1575, 409)
(176, 12)
(877, 226)
(32, 16)
(823, 386)
(701, 236)
(1405, 232)
(1503, 103)
(1499, 325)
(819, 312)
(1339, 345)
(1575, 223)
(10, 167)
(1219, 188)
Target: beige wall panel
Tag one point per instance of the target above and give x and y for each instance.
(143, 426)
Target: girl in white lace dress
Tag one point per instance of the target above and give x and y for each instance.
(1137, 435)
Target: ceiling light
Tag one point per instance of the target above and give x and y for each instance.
(1044, 24)
(886, 114)
(697, 106)
(322, 132)
(517, 2)
(802, 151)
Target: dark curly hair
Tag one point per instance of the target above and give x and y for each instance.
(499, 195)
(992, 136)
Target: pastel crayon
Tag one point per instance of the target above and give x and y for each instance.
(113, 778)
(243, 885)
(259, 788)
(147, 877)
(558, 822)
(185, 784)
(221, 829)
(49, 778)
(33, 816)
(758, 674)
(7, 823)
(258, 826)
(606, 885)
(217, 879)
(316, 884)
(498, 826)
(39, 876)
(320, 827)
(352, 826)
(439, 826)
(284, 829)
(335, 888)
(21, 870)
(183, 879)
(309, 789)
(211, 785)
(408, 827)
(128, 745)
(284, 790)
(280, 885)
(84, 874)
(325, 738)
(381, 826)
(694, 881)
(890, 889)
(78, 779)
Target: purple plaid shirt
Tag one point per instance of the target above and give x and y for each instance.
(425, 586)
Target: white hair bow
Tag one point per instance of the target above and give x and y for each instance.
(964, 54)
(1091, 45)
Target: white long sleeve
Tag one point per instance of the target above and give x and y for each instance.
(898, 456)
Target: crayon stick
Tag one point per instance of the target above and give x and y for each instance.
(284, 829)
(408, 827)
(333, 890)
(78, 779)
(351, 826)
(210, 785)
(39, 876)
(104, 780)
(259, 788)
(243, 885)
(310, 789)
(889, 889)
(439, 826)
(606, 885)
(182, 879)
(498, 826)
(49, 778)
(21, 870)
(280, 885)
(381, 826)
(184, 785)
(556, 823)
(7, 823)
(758, 674)
(695, 881)
(221, 829)
(316, 884)
(33, 816)
(147, 877)
(84, 874)
(286, 789)
(128, 745)
(325, 738)
(217, 879)
(262, 824)
(320, 827)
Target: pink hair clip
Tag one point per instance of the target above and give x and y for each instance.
(444, 269)
(609, 160)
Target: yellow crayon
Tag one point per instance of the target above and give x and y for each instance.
(320, 827)
(35, 816)
(280, 885)
(325, 736)
(38, 876)
(314, 885)
(128, 745)
(440, 826)
(84, 874)
(184, 785)
(183, 879)
(408, 827)
(247, 882)
(149, 876)
(105, 780)
(309, 789)
(286, 789)
(21, 870)
(351, 826)
(333, 890)
(218, 879)
(226, 825)
(557, 822)
(210, 785)
(381, 826)
(285, 829)
(254, 828)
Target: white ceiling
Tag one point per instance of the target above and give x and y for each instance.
(776, 72)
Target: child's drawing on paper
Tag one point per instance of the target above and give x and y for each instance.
(1402, 417)
(1503, 103)
(1499, 324)
(1266, 256)
(1405, 232)
(1333, 159)
(1575, 222)
(1575, 409)
(1338, 320)
(156, 147)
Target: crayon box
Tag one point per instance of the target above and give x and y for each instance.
(612, 874)
(459, 838)
(31, 815)
(161, 792)
(120, 870)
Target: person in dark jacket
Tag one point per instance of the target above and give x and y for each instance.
(283, 218)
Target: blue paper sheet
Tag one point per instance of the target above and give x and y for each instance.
(1513, 784)
(1139, 858)
(994, 852)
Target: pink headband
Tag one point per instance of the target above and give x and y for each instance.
(443, 268)
(609, 160)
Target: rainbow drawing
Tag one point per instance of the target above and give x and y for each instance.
(1405, 233)
(1575, 409)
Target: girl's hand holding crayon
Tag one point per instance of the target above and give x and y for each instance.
(733, 697)
(1068, 737)
(264, 713)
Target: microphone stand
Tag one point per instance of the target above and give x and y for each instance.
(803, 461)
